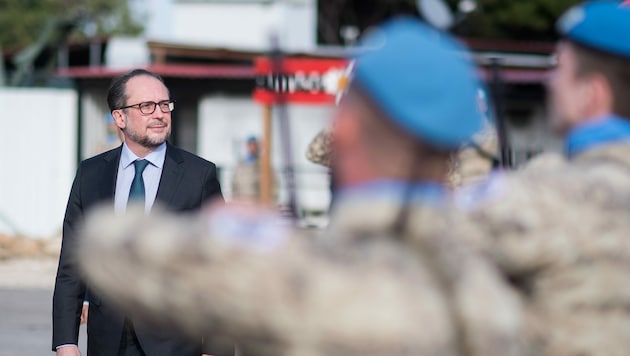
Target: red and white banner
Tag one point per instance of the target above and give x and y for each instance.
(300, 80)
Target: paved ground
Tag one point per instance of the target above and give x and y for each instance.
(25, 328)
(25, 307)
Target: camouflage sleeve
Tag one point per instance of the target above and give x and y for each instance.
(514, 221)
(319, 151)
(286, 297)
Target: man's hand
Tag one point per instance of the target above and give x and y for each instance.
(70, 350)
(84, 313)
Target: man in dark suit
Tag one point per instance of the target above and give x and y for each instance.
(147, 169)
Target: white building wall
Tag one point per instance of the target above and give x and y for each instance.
(226, 122)
(37, 158)
(233, 23)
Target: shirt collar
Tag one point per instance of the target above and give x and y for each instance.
(607, 129)
(156, 157)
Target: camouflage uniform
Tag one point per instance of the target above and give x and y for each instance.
(246, 181)
(358, 290)
(560, 235)
(558, 229)
(468, 165)
(472, 164)
(319, 151)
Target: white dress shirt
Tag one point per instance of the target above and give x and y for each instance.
(151, 177)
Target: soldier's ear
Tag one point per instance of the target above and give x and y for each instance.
(594, 96)
(602, 94)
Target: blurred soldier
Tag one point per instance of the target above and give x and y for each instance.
(246, 179)
(471, 163)
(474, 161)
(320, 149)
(384, 280)
(559, 229)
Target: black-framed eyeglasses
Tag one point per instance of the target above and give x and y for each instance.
(148, 107)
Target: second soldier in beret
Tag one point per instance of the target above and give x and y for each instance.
(559, 229)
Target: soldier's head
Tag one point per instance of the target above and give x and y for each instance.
(412, 101)
(592, 76)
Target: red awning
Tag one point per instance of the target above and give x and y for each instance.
(197, 71)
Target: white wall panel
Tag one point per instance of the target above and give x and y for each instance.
(37, 159)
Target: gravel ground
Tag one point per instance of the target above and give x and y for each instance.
(27, 273)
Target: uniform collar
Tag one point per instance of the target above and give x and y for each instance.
(375, 207)
(591, 134)
(431, 193)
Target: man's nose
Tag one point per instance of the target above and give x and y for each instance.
(157, 113)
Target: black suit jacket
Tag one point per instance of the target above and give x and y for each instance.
(187, 182)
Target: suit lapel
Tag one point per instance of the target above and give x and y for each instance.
(106, 186)
(171, 176)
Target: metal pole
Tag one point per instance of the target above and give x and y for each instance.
(284, 126)
(265, 162)
(505, 153)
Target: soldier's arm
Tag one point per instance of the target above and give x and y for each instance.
(514, 222)
(276, 293)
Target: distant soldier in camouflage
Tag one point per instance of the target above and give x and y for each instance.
(385, 279)
(559, 229)
(472, 163)
(319, 150)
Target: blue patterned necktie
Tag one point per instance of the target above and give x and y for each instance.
(136, 193)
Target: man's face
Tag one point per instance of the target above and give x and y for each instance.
(146, 130)
(568, 93)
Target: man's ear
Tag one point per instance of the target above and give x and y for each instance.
(119, 119)
(594, 96)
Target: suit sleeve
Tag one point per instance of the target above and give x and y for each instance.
(69, 287)
(211, 186)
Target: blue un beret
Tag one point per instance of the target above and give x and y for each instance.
(422, 80)
(601, 25)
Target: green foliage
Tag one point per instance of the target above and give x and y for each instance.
(22, 22)
(532, 20)
(514, 19)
